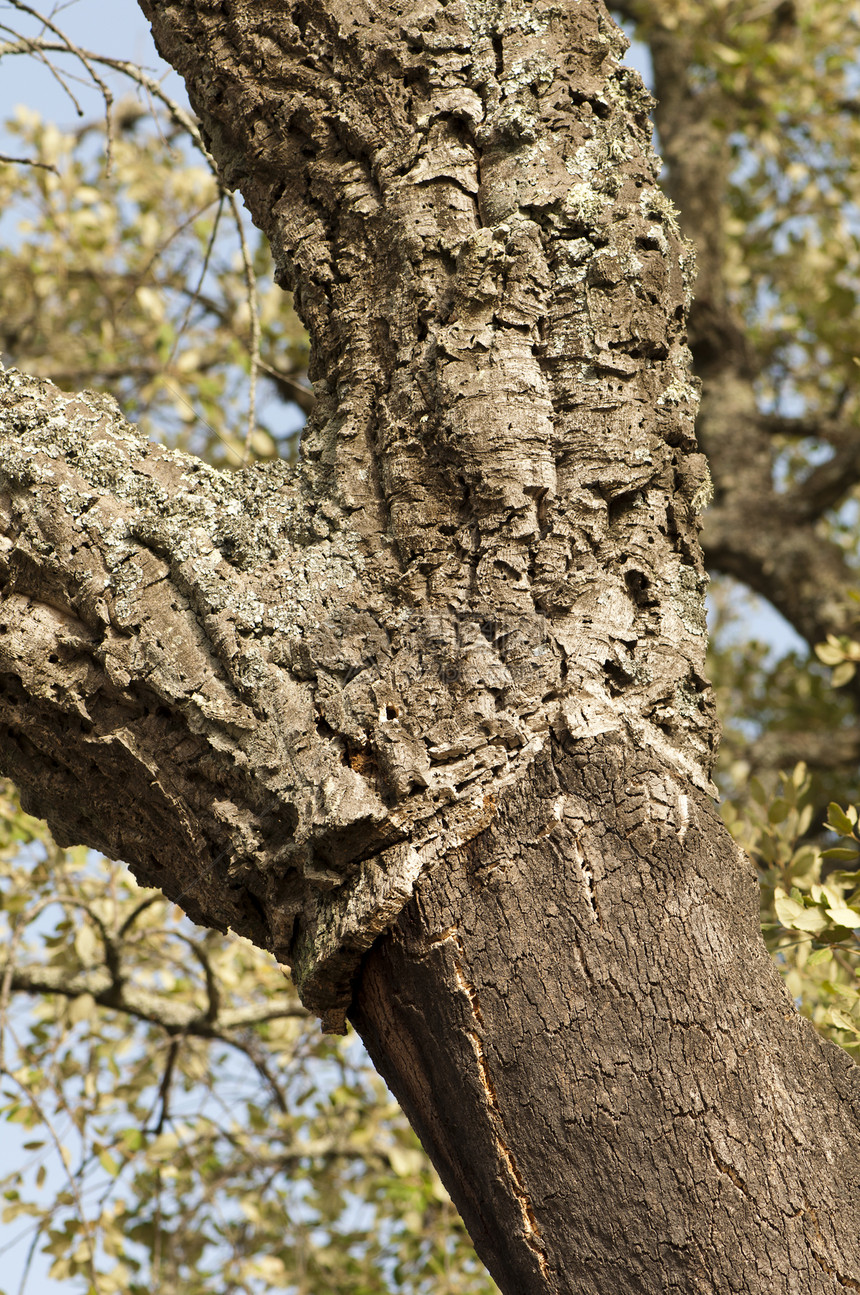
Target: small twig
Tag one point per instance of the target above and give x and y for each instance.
(55, 1138)
(254, 310)
(164, 1086)
(28, 161)
(87, 61)
(195, 295)
(136, 912)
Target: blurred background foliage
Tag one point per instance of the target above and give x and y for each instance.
(132, 280)
(183, 1124)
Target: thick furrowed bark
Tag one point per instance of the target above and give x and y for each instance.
(467, 652)
(578, 1015)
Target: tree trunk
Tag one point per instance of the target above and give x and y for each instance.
(446, 681)
(579, 1017)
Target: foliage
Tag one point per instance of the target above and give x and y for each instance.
(810, 906)
(139, 270)
(780, 78)
(185, 1125)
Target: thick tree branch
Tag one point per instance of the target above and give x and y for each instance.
(669, 1102)
(316, 697)
(826, 486)
(764, 537)
(835, 431)
(781, 748)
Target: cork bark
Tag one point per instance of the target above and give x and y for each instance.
(427, 716)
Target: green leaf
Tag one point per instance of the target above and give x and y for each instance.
(830, 653)
(844, 916)
(797, 916)
(108, 1163)
(132, 1140)
(726, 54)
(843, 674)
(758, 792)
(838, 821)
(778, 810)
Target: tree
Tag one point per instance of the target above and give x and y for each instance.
(183, 1123)
(427, 716)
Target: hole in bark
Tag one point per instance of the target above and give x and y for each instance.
(288, 818)
(638, 586)
(391, 712)
(621, 504)
(617, 678)
(3, 629)
(53, 658)
(362, 761)
(500, 55)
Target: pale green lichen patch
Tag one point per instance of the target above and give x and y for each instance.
(349, 661)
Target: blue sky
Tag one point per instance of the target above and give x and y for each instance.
(116, 28)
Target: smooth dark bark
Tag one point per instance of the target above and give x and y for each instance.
(579, 1017)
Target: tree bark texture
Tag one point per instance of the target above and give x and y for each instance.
(427, 718)
(626, 1100)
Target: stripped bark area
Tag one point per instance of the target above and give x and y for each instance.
(645, 1082)
(427, 716)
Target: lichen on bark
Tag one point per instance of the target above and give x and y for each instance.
(325, 679)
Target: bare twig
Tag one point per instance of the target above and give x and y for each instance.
(28, 161)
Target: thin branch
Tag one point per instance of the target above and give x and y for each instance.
(28, 161)
(829, 749)
(165, 1085)
(819, 427)
(88, 62)
(827, 485)
(137, 910)
(55, 1138)
(254, 1055)
(36, 49)
(289, 388)
(254, 312)
(195, 295)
